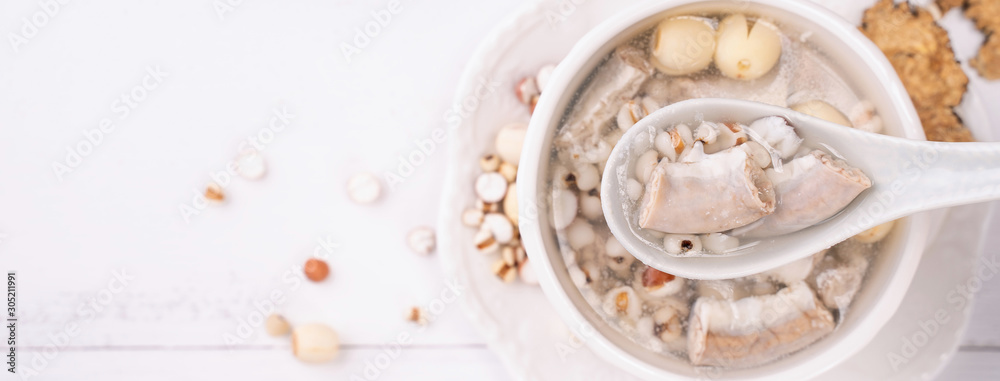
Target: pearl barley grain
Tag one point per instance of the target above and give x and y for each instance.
(580, 234)
(590, 207)
(416, 315)
(364, 188)
(508, 171)
(421, 240)
(587, 177)
(489, 163)
(491, 187)
(472, 217)
(527, 273)
(315, 343)
(644, 165)
(526, 90)
(633, 188)
(543, 76)
(485, 242)
(501, 228)
(564, 208)
(250, 165)
(213, 192)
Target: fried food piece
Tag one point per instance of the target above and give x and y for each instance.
(986, 14)
(987, 62)
(921, 53)
(946, 5)
(946, 125)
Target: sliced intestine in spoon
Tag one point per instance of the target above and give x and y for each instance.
(809, 190)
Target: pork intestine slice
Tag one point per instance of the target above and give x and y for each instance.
(755, 330)
(617, 81)
(809, 190)
(722, 191)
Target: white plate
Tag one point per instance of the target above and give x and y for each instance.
(516, 319)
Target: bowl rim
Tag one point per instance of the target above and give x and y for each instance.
(532, 160)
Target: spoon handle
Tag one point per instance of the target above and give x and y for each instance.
(932, 175)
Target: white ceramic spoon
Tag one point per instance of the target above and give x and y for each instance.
(908, 176)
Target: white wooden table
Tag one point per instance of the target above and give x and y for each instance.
(193, 287)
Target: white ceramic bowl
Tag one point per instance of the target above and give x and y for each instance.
(865, 69)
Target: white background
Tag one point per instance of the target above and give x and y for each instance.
(195, 282)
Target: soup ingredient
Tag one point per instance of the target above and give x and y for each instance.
(920, 51)
(543, 76)
(580, 234)
(678, 244)
(682, 45)
(633, 188)
(491, 187)
(527, 91)
(671, 143)
(791, 272)
(421, 240)
(510, 203)
(810, 189)
(837, 281)
(527, 273)
(472, 217)
(587, 177)
(364, 188)
(864, 118)
(822, 110)
(508, 171)
(774, 133)
(746, 52)
(634, 110)
(499, 226)
(668, 319)
(590, 207)
(716, 137)
(489, 163)
(615, 82)
(622, 302)
(315, 343)
(485, 242)
(509, 141)
(658, 284)
(250, 165)
(316, 269)
(487, 207)
(874, 234)
(416, 315)
(213, 192)
(757, 153)
(719, 243)
(505, 272)
(276, 325)
(508, 255)
(563, 208)
(756, 329)
(645, 164)
(680, 197)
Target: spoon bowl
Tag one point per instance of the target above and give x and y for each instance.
(908, 176)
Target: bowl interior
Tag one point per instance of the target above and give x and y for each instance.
(855, 60)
